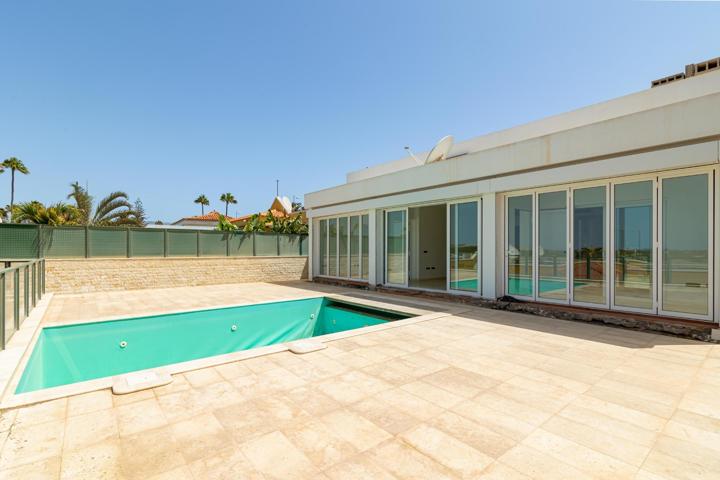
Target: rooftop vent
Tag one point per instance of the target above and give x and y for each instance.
(690, 71)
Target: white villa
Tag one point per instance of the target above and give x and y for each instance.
(612, 206)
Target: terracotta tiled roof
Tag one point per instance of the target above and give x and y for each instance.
(213, 216)
(245, 218)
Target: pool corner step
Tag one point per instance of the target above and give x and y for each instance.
(142, 380)
(305, 346)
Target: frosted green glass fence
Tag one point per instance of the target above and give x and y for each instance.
(22, 285)
(19, 241)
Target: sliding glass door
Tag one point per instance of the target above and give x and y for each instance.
(640, 244)
(685, 253)
(396, 247)
(520, 246)
(463, 242)
(343, 247)
(633, 251)
(552, 246)
(589, 246)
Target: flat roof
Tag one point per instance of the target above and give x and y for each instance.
(632, 103)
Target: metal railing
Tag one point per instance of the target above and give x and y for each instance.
(21, 288)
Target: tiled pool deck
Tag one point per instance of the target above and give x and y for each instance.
(481, 394)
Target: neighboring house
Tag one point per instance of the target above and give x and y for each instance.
(613, 206)
(281, 207)
(209, 220)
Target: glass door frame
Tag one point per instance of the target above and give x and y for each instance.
(506, 233)
(536, 245)
(655, 242)
(337, 219)
(478, 273)
(710, 173)
(713, 177)
(608, 244)
(385, 249)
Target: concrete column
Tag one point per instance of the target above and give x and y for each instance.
(489, 246)
(372, 247)
(311, 248)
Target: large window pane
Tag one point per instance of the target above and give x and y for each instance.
(323, 248)
(355, 247)
(343, 247)
(685, 244)
(365, 245)
(464, 246)
(332, 247)
(634, 244)
(552, 245)
(520, 245)
(589, 245)
(396, 247)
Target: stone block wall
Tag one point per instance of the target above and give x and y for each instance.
(105, 274)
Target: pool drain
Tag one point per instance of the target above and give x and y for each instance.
(233, 328)
(123, 344)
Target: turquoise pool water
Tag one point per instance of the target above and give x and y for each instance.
(75, 353)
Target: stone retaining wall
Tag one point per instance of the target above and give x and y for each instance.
(104, 274)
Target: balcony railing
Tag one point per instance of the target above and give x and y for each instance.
(22, 285)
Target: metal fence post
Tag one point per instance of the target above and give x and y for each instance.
(26, 289)
(165, 242)
(197, 243)
(42, 284)
(227, 243)
(34, 278)
(16, 299)
(87, 241)
(277, 243)
(129, 247)
(2, 311)
(39, 241)
(253, 244)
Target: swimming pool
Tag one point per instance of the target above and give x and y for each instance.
(74, 353)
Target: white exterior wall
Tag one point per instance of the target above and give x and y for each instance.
(671, 127)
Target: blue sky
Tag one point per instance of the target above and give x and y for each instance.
(170, 99)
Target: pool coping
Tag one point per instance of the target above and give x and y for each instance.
(9, 399)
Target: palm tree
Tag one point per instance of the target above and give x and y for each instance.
(203, 201)
(113, 210)
(228, 198)
(224, 224)
(54, 214)
(83, 201)
(14, 164)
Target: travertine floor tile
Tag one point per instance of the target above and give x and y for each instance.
(319, 443)
(149, 453)
(54, 410)
(404, 461)
(30, 444)
(481, 394)
(89, 402)
(99, 460)
(200, 437)
(47, 469)
(445, 449)
(140, 416)
(90, 428)
(355, 429)
(274, 455)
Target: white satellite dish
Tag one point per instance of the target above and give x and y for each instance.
(441, 149)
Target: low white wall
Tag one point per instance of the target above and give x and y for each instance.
(104, 274)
